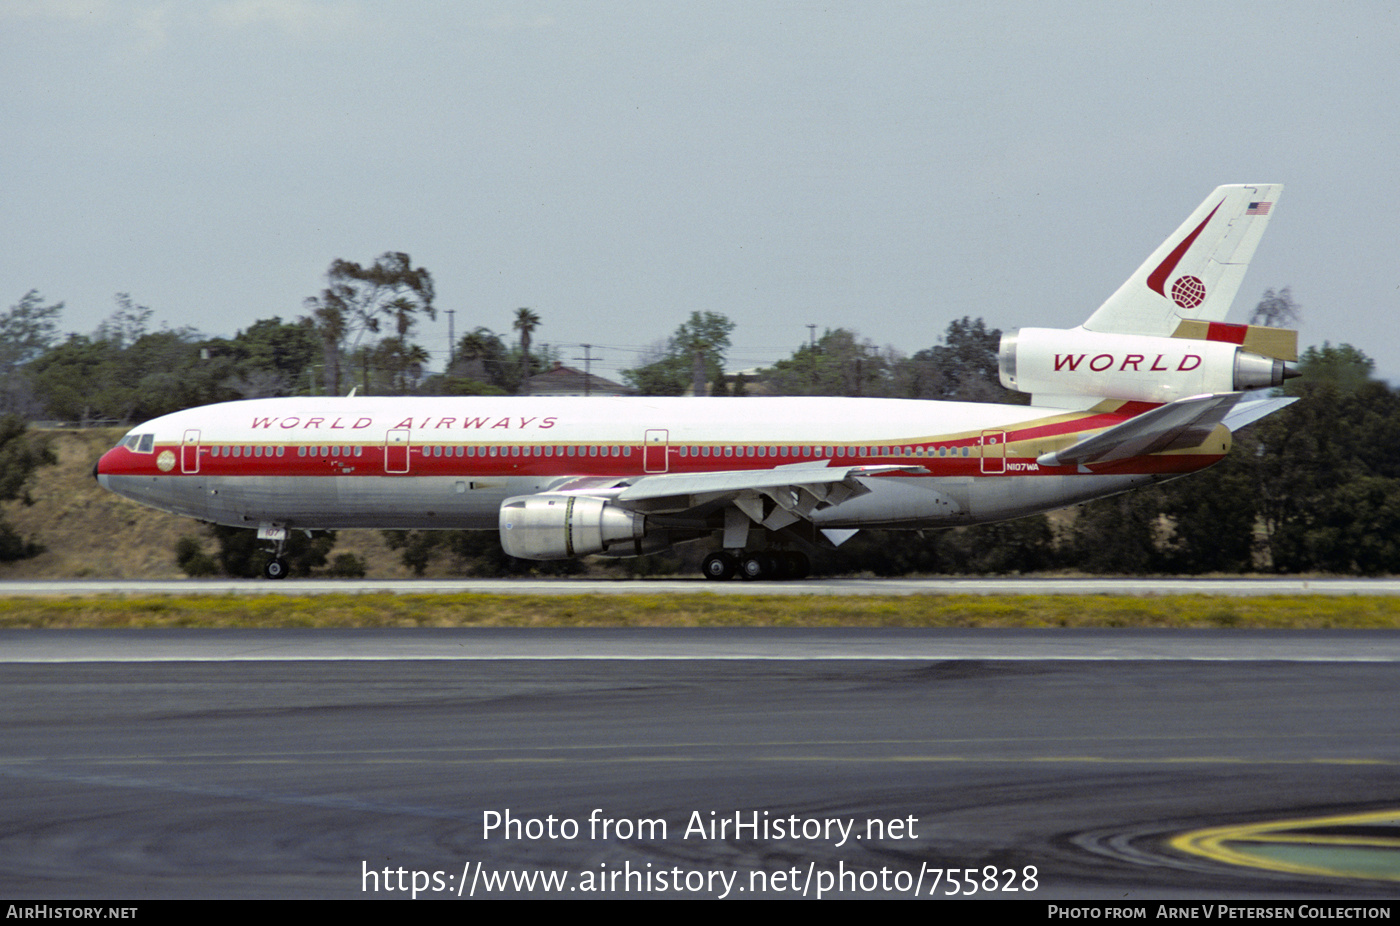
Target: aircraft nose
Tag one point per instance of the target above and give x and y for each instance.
(97, 470)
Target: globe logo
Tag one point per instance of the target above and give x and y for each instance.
(1188, 292)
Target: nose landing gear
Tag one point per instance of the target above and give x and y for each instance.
(276, 567)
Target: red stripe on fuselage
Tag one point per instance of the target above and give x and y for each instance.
(322, 459)
(372, 461)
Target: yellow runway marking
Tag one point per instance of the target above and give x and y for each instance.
(1291, 847)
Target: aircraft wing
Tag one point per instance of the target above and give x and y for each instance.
(1179, 424)
(774, 498)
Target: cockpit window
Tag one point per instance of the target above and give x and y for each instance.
(146, 444)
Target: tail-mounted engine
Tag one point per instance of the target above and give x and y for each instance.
(560, 526)
(1067, 366)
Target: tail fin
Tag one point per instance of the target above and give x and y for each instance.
(1197, 271)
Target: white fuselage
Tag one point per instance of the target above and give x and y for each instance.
(384, 462)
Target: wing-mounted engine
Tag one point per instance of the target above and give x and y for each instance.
(1076, 368)
(560, 525)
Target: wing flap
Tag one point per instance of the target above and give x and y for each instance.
(773, 498)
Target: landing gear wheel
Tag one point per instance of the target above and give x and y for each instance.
(276, 568)
(796, 565)
(719, 567)
(756, 566)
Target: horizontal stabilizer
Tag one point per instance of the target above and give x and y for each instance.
(1280, 343)
(1179, 424)
(1246, 413)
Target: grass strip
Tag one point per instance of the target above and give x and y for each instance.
(703, 610)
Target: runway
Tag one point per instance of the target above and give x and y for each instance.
(1290, 585)
(1027, 764)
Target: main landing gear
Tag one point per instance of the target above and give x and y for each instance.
(764, 564)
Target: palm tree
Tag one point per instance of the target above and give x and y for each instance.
(526, 322)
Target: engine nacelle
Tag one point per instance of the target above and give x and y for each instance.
(1051, 362)
(559, 526)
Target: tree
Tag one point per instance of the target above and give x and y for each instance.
(964, 368)
(705, 337)
(20, 456)
(27, 330)
(473, 553)
(1341, 431)
(664, 370)
(127, 325)
(1120, 534)
(839, 363)
(273, 357)
(1277, 310)
(1212, 515)
(482, 357)
(526, 321)
(358, 298)
(1341, 370)
(126, 372)
(694, 353)
(402, 360)
(242, 554)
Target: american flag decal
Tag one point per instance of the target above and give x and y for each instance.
(1258, 208)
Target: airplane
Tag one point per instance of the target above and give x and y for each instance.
(1150, 387)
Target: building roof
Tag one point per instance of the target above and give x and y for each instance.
(562, 380)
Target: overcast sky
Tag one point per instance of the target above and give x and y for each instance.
(884, 167)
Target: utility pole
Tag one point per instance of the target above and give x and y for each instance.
(812, 358)
(587, 368)
(451, 339)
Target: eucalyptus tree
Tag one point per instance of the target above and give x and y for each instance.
(358, 298)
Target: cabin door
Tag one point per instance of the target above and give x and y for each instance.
(993, 452)
(654, 450)
(396, 449)
(189, 452)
